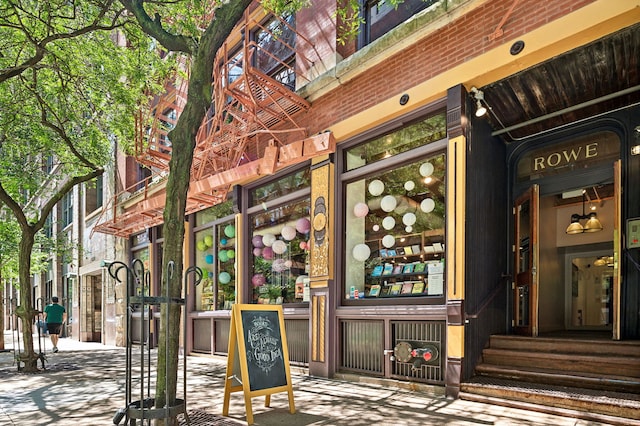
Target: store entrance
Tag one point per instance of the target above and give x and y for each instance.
(576, 274)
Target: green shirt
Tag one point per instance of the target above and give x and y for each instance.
(54, 313)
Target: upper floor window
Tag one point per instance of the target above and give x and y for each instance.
(48, 164)
(275, 42)
(382, 16)
(67, 209)
(94, 195)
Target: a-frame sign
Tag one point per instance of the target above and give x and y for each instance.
(258, 362)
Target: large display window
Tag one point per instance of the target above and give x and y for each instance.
(394, 215)
(215, 240)
(279, 230)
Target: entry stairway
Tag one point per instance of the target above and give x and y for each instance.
(597, 380)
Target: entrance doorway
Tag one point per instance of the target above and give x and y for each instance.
(91, 309)
(589, 279)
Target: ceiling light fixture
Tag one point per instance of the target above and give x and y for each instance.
(478, 95)
(592, 224)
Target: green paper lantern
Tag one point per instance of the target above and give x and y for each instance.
(208, 240)
(230, 231)
(201, 245)
(231, 254)
(224, 277)
(222, 255)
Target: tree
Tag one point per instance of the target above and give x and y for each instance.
(182, 36)
(199, 40)
(68, 91)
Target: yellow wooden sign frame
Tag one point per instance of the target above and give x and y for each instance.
(237, 360)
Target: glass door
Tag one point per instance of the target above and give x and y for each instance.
(590, 291)
(525, 284)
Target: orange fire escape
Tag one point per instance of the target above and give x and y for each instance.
(249, 131)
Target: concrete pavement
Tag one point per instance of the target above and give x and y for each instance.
(84, 384)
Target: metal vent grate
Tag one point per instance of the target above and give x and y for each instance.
(362, 346)
(420, 334)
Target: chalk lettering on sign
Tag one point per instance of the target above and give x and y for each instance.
(264, 346)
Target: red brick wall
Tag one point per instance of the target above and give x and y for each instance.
(448, 47)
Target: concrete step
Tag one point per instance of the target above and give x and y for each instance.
(598, 405)
(562, 378)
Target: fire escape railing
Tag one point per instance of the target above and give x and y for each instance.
(250, 130)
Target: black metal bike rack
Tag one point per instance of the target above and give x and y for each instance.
(137, 297)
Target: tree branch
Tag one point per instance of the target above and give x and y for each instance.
(153, 27)
(41, 46)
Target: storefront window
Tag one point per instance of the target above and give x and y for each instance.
(216, 256)
(142, 255)
(426, 131)
(394, 230)
(279, 252)
(281, 187)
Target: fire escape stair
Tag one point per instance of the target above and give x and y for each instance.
(595, 380)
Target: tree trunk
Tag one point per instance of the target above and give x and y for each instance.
(183, 138)
(25, 311)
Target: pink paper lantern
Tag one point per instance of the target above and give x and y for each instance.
(258, 279)
(303, 225)
(257, 241)
(360, 210)
(267, 253)
(257, 252)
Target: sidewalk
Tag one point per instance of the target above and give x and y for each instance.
(84, 384)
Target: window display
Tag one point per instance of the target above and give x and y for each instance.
(280, 247)
(216, 256)
(394, 228)
(279, 232)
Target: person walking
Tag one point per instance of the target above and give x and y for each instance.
(55, 315)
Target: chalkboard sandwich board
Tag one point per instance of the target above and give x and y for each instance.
(258, 362)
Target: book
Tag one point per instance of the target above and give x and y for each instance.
(384, 291)
(395, 289)
(374, 291)
(415, 249)
(408, 268)
(418, 287)
(398, 268)
(419, 267)
(383, 252)
(388, 269)
(391, 252)
(407, 287)
(377, 271)
(400, 251)
(408, 250)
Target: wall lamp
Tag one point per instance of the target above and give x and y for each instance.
(478, 95)
(592, 224)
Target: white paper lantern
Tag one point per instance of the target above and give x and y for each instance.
(376, 228)
(409, 219)
(388, 203)
(409, 185)
(361, 252)
(388, 241)
(360, 210)
(288, 232)
(388, 223)
(408, 229)
(426, 169)
(268, 240)
(427, 205)
(279, 247)
(376, 187)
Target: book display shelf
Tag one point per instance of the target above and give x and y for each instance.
(413, 267)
